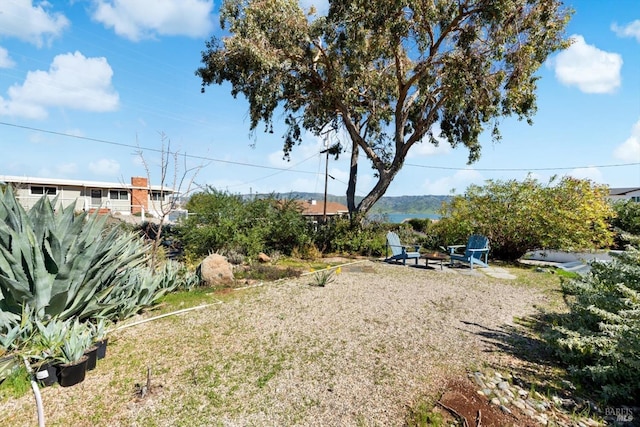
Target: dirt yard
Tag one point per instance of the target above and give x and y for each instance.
(361, 351)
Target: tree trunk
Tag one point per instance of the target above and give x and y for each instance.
(353, 178)
(384, 180)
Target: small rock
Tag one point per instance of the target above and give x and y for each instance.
(478, 379)
(532, 403)
(541, 420)
(498, 375)
(519, 404)
(491, 384)
(504, 400)
(523, 393)
(503, 385)
(505, 409)
(509, 393)
(581, 424)
(264, 258)
(529, 412)
(591, 422)
(487, 392)
(495, 401)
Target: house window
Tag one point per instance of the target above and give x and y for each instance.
(157, 196)
(118, 194)
(635, 199)
(39, 190)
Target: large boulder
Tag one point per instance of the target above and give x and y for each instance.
(216, 270)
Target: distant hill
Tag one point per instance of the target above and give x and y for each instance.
(386, 205)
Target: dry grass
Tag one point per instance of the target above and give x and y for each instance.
(357, 352)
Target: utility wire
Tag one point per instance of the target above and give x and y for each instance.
(524, 169)
(157, 150)
(290, 169)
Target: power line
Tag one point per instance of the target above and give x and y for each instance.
(290, 169)
(523, 169)
(158, 150)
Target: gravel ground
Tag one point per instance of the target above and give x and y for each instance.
(358, 351)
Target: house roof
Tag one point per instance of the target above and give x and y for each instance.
(622, 191)
(77, 183)
(333, 208)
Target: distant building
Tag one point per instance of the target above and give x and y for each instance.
(629, 193)
(314, 209)
(107, 197)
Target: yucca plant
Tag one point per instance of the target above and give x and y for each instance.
(57, 261)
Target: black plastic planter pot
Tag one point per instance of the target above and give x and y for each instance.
(92, 357)
(102, 348)
(72, 374)
(47, 374)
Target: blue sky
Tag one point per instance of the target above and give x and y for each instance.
(85, 82)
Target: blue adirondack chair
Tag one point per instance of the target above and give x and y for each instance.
(476, 249)
(398, 251)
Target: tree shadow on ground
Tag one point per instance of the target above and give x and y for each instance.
(531, 361)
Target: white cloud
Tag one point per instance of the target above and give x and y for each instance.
(426, 148)
(629, 151)
(5, 60)
(590, 69)
(458, 182)
(592, 173)
(106, 167)
(73, 81)
(75, 132)
(141, 19)
(630, 30)
(66, 169)
(31, 23)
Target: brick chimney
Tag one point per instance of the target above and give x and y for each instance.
(139, 194)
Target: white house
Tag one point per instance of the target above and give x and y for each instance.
(629, 193)
(107, 197)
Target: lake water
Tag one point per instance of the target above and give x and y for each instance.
(397, 218)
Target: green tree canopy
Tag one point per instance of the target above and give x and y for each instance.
(385, 71)
(570, 214)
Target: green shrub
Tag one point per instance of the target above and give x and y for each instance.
(627, 216)
(223, 222)
(343, 236)
(421, 225)
(517, 216)
(600, 338)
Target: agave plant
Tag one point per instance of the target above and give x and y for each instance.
(76, 342)
(57, 261)
(49, 339)
(8, 339)
(99, 329)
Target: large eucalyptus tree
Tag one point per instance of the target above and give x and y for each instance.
(385, 71)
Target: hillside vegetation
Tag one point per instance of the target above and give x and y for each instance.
(389, 204)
